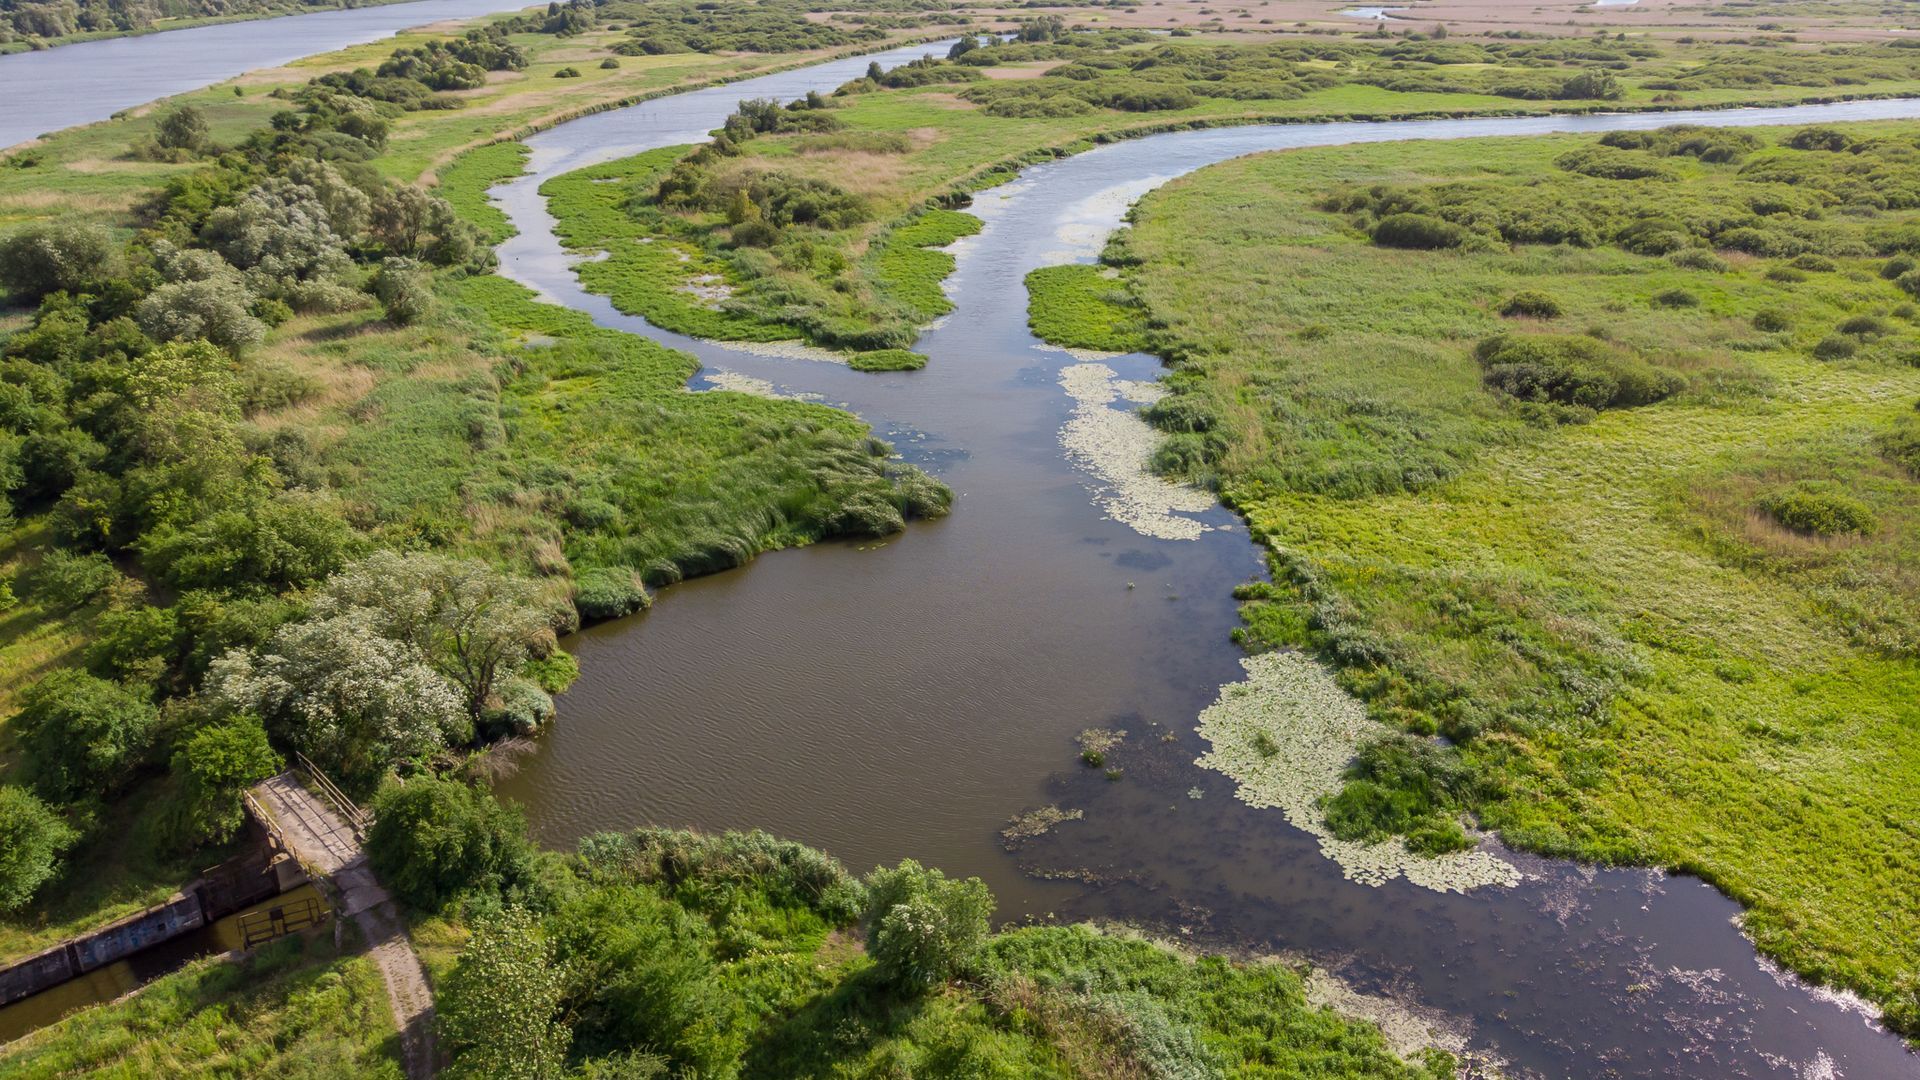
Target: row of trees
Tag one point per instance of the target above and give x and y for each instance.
(620, 959)
(122, 424)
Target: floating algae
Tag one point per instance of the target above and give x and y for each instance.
(1113, 447)
(1317, 728)
(748, 384)
(1023, 827)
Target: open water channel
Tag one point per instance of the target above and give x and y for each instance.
(886, 700)
(905, 698)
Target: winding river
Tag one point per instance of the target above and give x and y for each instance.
(78, 84)
(897, 699)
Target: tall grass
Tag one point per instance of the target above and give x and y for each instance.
(1635, 661)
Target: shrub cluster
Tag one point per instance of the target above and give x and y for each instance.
(1582, 372)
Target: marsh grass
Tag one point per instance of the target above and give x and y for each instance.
(1639, 663)
(1080, 307)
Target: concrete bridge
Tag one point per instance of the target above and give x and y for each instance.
(324, 830)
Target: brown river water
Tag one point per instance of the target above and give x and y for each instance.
(905, 698)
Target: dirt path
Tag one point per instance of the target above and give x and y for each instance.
(322, 840)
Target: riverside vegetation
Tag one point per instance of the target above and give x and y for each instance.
(815, 218)
(286, 468)
(251, 370)
(1619, 497)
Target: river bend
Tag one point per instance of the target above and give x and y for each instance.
(904, 698)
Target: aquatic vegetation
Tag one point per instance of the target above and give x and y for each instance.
(1039, 822)
(1082, 308)
(1114, 446)
(1633, 659)
(1319, 728)
(887, 360)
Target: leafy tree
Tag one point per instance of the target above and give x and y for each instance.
(213, 766)
(67, 579)
(213, 309)
(344, 693)
(923, 929)
(404, 288)
(434, 839)
(279, 232)
(1596, 84)
(408, 221)
(282, 541)
(83, 735)
(32, 838)
(50, 256)
(185, 128)
(499, 1006)
(346, 203)
(474, 624)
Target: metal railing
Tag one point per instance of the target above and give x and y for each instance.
(356, 818)
(259, 927)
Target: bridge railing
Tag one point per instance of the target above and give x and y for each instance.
(356, 818)
(259, 927)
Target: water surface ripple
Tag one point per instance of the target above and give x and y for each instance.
(887, 700)
(57, 88)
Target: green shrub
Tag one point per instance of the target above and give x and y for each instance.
(1909, 282)
(788, 873)
(1575, 371)
(32, 838)
(1893, 269)
(1699, 259)
(1819, 513)
(1532, 305)
(433, 840)
(47, 257)
(1419, 232)
(654, 985)
(1901, 445)
(610, 64)
(498, 1009)
(1605, 163)
(83, 735)
(1819, 138)
(1863, 326)
(1590, 85)
(1675, 298)
(609, 592)
(1835, 347)
(404, 288)
(213, 767)
(567, 73)
(518, 707)
(923, 929)
(1816, 263)
(1771, 321)
(66, 579)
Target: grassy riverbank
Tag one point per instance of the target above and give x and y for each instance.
(28, 27)
(297, 1007)
(1636, 531)
(835, 193)
(490, 425)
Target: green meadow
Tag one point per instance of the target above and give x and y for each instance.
(1641, 548)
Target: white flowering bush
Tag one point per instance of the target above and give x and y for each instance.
(345, 693)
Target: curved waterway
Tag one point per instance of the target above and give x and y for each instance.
(58, 88)
(895, 699)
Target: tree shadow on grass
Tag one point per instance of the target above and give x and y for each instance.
(837, 1027)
